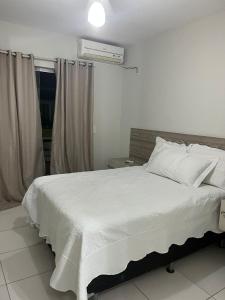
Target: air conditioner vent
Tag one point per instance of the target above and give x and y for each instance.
(100, 52)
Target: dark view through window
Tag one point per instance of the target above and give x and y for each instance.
(46, 85)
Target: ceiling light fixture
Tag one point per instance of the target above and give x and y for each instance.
(96, 14)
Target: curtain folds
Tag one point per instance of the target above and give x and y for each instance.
(21, 150)
(72, 139)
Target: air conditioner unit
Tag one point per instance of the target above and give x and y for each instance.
(100, 52)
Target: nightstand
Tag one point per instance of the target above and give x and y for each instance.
(222, 216)
(121, 163)
(222, 222)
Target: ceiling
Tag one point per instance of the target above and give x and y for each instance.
(127, 21)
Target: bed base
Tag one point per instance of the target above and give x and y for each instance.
(152, 261)
(170, 268)
(222, 243)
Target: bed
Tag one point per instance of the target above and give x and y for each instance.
(97, 222)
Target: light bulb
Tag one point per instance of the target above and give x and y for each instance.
(96, 14)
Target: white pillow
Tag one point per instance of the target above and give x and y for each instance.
(180, 166)
(159, 141)
(217, 176)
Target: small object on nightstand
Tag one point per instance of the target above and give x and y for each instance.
(121, 163)
(128, 161)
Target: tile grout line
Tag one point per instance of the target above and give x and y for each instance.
(195, 284)
(140, 290)
(15, 250)
(10, 229)
(6, 284)
(32, 246)
(5, 280)
(210, 296)
(34, 275)
(218, 292)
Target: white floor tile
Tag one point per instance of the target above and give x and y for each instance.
(12, 218)
(2, 279)
(4, 293)
(26, 262)
(123, 292)
(160, 285)
(37, 288)
(18, 238)
(220, 295)
(206, 268)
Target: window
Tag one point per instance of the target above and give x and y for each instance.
(46, 86)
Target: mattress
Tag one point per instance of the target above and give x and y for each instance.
(99, 221)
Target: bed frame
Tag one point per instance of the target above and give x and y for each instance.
(142, 143)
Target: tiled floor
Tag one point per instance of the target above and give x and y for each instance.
(26, 264)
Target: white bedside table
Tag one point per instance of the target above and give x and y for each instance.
(222, 216)
(121, 163)
(222, 222)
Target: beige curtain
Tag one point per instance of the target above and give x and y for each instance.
(72, 139)
(21, 152)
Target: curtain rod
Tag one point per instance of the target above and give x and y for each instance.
(46, 59)
(70, 61)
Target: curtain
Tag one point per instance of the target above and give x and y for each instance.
(72, 138)
(21, 151)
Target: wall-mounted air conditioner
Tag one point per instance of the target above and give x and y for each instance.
(100, 52)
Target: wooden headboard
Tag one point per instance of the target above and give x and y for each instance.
(142, 142)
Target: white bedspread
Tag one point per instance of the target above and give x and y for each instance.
(98, 221)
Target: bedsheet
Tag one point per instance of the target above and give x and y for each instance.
(98, 221)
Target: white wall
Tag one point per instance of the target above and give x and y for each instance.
(181, 85)
(107, 114)
(107, 86)
(132, 95)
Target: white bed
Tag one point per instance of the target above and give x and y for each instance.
(98, 221)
